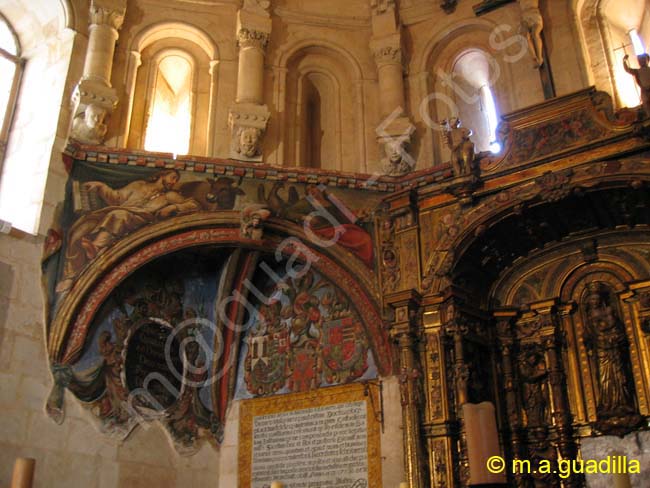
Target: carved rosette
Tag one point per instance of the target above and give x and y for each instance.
(249, 38)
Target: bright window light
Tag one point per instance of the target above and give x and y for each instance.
(170, 119)
(637, 42)
(492, 117)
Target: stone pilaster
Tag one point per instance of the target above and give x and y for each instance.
(94, 98)
(249, 116)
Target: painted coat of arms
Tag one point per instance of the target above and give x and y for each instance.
(307, 335)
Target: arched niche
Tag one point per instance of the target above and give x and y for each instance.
(248, 302)
(323, 115)
(550, 291)
(245, 284)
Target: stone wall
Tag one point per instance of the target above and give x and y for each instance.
(632, 446)
(74, 453)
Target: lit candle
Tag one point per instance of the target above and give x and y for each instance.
(277, 484)
(403, 484)
(23, 475)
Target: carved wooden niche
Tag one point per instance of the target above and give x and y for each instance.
(608, 353)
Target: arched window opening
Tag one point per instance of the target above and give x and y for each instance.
(170, 113)
(312, 126)
(612, 29)
(10, 72)
(637, 42)
(171, 91)
(475, 100)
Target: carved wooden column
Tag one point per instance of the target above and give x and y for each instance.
(505, 338)
(405, 333)
(456, 328)
(553, 340)
(395, 129)
(440, 429)
(249, 116)
(94, 98)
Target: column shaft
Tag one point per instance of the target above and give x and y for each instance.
(250, 79)
(99, 56)
(391, 88)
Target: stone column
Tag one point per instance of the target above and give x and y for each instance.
(214, 65)
(249, 116)
(405, 334)
(94, 98)
(395, 129)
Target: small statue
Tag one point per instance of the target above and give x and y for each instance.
(89, 127)
(642, 77)
(533, 371)
(533, 24)
(249, 140)
(397, 161)
(607, 344)
(252, 221)
(462, 148)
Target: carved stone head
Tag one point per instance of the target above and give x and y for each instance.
(249, 139)
(395, 150)
(94, 116)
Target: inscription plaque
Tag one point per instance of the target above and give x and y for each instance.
(324, 439)
(146, 365)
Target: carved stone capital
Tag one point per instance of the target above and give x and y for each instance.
(260, 7)
(247, 38)
(387, 51)
(248, 125)
(381, 6)
(253, 26)
(107, 12)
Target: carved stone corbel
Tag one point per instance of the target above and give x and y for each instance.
(94, 99)
(248, 124)
(249, 116)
